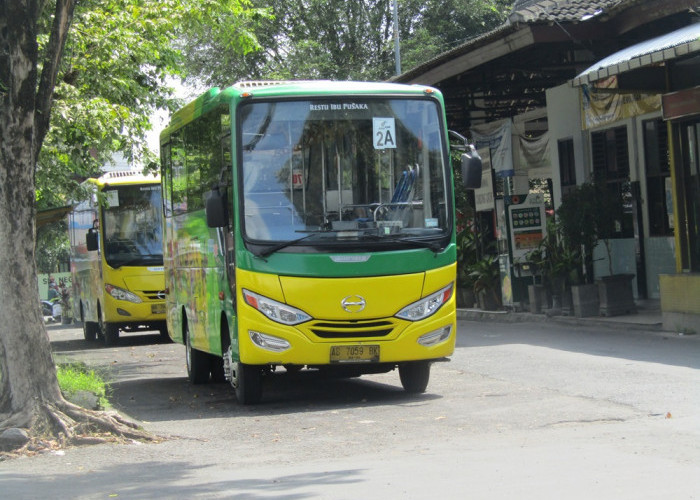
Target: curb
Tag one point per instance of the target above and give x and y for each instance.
(518, 317)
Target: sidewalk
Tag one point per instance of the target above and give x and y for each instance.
(647, 318)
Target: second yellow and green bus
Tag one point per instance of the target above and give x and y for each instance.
(116, 238)
(310, 225)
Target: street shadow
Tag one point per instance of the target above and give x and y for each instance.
(175, 398)
(655, 347)
(125, 340)
(156, 479)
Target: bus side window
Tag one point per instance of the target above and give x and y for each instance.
(178, 178)
(166, 176)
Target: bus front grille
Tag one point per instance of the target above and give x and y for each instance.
(349, 330)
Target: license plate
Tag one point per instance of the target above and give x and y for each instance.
(354, 353)
(158, 308)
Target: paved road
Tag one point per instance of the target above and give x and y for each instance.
(521, 411)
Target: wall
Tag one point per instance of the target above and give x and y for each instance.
(680, 294)
(564, 120)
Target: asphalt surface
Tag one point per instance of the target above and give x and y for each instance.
(522, 410)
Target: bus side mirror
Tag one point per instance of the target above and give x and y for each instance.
(91, 240)
(216, 208)
(471, 169)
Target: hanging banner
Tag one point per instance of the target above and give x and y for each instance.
(602, 108)
(534, 154)
(499, 140)
(483, 196)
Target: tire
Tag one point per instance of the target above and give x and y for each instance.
(110, 334)
(248, 383)
(108, 331)
(414, 376)
(90, 330)
(198, 362)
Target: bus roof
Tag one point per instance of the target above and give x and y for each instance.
(125, 177)
(289, 88)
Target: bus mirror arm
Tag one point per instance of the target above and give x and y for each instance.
(91, 240)
(216, 208)
(471, 169)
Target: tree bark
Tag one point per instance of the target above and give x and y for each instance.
(30, 396)
(27, 371)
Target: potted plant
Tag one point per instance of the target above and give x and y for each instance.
(466, 256)
(588, 215)
(537, 295)
(486, 275)
(615, 290)
(579, 218)
(559, 266)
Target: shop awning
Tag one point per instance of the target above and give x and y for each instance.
(50, 215)
(663, 48)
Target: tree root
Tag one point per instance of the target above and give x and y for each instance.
(53, 426)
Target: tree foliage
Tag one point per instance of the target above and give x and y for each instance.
(119, 59)
(341, 40)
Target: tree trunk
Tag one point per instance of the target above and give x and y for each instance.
(27, 371)
(29, 393)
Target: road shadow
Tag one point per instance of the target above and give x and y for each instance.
(126, 340)
(156, 399)
(163, 479)
(655, 347)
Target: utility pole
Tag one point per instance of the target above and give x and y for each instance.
(397, 50)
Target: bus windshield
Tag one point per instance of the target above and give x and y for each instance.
(349, 171)
(132, 226)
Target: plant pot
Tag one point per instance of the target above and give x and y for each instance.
(487, 301)
(537, 295)
(584, 299)
(465, 298)
(616, 295)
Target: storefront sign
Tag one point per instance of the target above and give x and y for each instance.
(681, 104)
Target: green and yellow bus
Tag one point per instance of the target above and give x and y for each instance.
(116, 239)
(310, 225)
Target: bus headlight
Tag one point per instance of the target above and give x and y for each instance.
(121, 294)
(269, 342)
(276, 311)
(427, 306)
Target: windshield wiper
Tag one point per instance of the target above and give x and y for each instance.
(435, 246)
(276, 248)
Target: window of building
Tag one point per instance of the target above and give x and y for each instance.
(611, 168)
(567, 164)
(689, 194)
(658, 178)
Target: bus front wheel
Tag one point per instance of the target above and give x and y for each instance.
(247, 382)
(90, 328)
(110, 332)
(414, 376)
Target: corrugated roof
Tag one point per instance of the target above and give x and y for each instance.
(663, 48)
